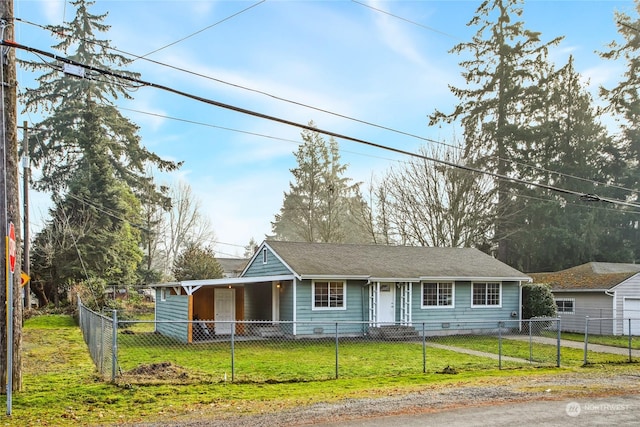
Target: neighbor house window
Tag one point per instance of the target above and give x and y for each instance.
(486, 294)
(163, 294)
(438, 294)
(566, 305)
(328, 295)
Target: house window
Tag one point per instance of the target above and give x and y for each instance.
(264, 256)
(328, 295)
(163, 294)
(566, 305)
(437, 294)
(486, 294)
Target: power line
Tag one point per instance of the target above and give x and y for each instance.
(406, 20)
(199, 31)
(581, 195)
(324, 111)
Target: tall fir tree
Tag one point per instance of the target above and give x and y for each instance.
(322, 204)
(500, 74)
(624, 100)
(54, 145)
(91, 160)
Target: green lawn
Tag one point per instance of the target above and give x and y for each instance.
(61, 386)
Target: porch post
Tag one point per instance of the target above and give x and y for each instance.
(190, 318)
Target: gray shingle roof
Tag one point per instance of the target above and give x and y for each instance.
(380, 261)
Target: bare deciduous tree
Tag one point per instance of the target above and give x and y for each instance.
(423, 203)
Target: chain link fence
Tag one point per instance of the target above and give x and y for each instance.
(618, 347)
(253, 351)
(148, 351)
(101, 338)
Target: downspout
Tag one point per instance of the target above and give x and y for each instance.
(614, 311)
(520, 305)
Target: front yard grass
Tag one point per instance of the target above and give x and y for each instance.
(61, 387)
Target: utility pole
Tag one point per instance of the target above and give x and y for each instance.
(11, 311)
(26, 167)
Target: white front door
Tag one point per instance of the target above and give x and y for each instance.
(631, 309)
(387, 303)
(224, 309)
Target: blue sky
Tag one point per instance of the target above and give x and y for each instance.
(345, 57)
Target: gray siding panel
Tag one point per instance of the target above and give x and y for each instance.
(630, 288)
(257, 301)
(592, 304)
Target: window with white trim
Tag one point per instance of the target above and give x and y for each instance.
(163, 294)
(486, 294)
(437, 294)
(566, 305)
(264, 255)
(329, 295)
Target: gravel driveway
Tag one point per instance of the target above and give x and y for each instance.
(432, 399)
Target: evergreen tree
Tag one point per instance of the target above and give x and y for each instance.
(555, 230)
(55, 145)
(196, 263)
(90, 234)
(92, 161)
(501, 70)
(624, 100)
(322, 204)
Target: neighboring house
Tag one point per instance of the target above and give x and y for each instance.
(600, 290)
(232, 267)
(294, 284)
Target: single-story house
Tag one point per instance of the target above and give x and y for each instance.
(600, 290)
(293, 284)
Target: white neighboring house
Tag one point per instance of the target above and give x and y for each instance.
(608, 292)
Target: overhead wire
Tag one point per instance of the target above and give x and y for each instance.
(199, 31)
(582, 195)
(339, 115)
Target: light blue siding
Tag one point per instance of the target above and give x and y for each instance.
(174, 308)
(273, 266)
(286, 302)
(322, 322)
(462, 310)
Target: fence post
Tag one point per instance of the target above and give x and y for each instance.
(559, 326)
(424, 350)
(337, 350)
(630, 340)
(233, 351)
(114, 344)
(586, 338)
(499, 345)
(530, 341)
(101, 349)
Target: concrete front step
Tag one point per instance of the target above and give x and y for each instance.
(394, 332)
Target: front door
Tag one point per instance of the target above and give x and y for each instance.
(387, 303)
(224, 310)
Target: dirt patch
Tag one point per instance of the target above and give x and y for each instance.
(155, 373)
